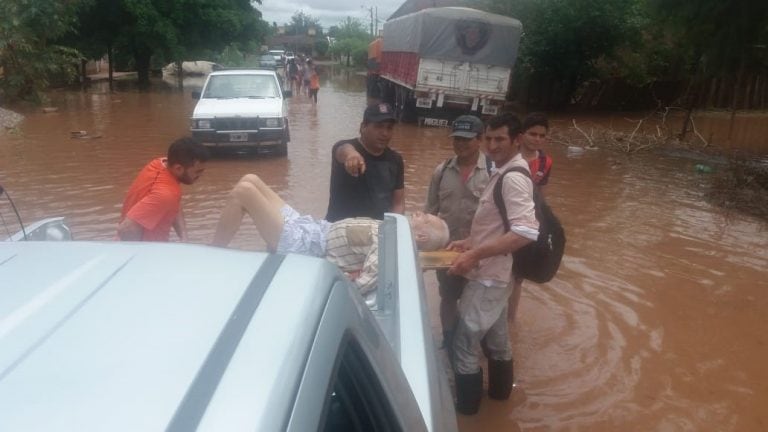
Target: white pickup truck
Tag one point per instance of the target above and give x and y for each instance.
(242, 110)
(119, 336)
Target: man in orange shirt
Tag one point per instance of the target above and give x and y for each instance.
(153, 203)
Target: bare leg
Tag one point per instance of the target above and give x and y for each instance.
(514, 299)
(250, 195)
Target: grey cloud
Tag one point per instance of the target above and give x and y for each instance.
(328, 12)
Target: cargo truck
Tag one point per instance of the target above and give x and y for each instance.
(437, 63)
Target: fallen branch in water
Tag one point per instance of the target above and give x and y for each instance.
(591, 143)
(696, 131)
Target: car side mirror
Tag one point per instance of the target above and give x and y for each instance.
(195, 95)
(287, 93)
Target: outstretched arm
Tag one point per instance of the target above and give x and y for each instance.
(353, 161)
(508, 243)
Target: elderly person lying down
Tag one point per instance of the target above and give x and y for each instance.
(351, 244)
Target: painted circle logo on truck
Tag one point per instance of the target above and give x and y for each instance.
(472, 35)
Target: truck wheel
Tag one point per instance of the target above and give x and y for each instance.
(408, 112)
(282, 149)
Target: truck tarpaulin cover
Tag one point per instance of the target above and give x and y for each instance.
(455, 33)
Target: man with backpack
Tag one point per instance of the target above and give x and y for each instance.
(486, 263)
(453, 194)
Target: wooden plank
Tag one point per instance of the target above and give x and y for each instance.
(437, 260)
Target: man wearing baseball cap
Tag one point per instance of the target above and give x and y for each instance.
(367, 177)
(453, 195)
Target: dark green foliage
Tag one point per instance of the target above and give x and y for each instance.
(28, 58)
(568, 43)
(158, 32)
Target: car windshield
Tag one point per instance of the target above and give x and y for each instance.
(241, 86)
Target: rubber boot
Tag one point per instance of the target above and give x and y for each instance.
(500, 379)
(469, 392)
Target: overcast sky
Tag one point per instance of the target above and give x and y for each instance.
(329, 12)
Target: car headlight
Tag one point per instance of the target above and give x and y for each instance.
(272, 122)
(204, 124)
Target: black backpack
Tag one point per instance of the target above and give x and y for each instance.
(537, 261)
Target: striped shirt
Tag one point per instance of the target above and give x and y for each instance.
(353, 246)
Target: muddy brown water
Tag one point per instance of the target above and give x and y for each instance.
(656, 321)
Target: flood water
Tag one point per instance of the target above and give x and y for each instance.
(656, 321)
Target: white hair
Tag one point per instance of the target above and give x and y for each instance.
(437, 234)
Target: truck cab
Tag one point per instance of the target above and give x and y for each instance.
(126, 336)
(242, 110)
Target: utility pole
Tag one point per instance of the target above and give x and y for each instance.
(370, 10)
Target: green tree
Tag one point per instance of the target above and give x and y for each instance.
(28, 58)
(567, 42)
(171, 30)
(721, 39)
(301, 23)
(350, 41)
(350, 28)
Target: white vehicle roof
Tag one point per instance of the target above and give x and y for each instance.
(121, 336)
(244, 72)
(117, 336)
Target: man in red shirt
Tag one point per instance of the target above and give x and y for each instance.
(153, 202)
(533, 140)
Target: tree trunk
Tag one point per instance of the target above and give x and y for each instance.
(735, 99)
(712, 92)
(142, 56)
(83, 72)
(179, 74)
(110, 64)
(694, 88)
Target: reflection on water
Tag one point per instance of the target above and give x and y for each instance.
(656, 320)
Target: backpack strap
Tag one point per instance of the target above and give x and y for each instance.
(498, 197)
(442, 171)
(440, 179)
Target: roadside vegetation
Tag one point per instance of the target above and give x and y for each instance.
(351, 41)
(42, 41)
(582, 54)
(630, 54)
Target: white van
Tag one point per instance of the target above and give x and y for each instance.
(279, 55)
(241, 110)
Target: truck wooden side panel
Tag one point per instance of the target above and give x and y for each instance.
(463, 78)
(400, 67)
